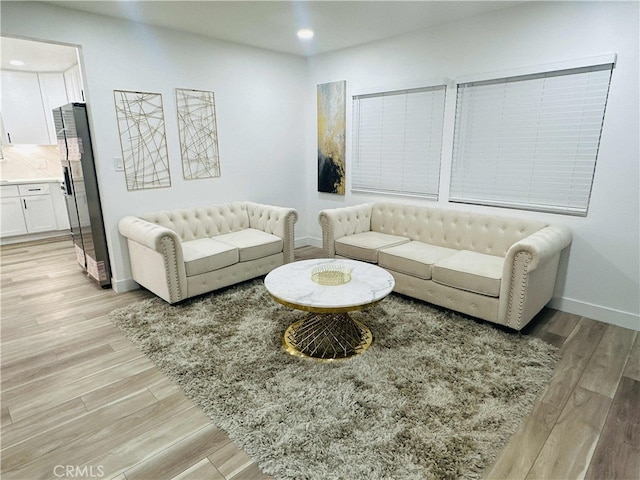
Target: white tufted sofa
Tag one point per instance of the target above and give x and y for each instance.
(495, 268)
(177, 254)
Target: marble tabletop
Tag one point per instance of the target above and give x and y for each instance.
(292, 285)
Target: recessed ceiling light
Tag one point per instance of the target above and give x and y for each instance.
(305, 34)
(17, 63)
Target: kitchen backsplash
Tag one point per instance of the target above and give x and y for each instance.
(30, 162)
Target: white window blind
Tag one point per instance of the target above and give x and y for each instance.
(397, 141)
(530, 142)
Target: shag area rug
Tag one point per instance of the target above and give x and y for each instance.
(437, 395)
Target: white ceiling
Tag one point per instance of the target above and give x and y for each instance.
(37, 56)
(273, 24)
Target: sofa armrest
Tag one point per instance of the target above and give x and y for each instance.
(277, 221)
(146, 233)
(541, 245)
(529, 275)
(155, 255)
(339, 222)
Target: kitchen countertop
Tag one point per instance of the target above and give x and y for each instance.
(24, 181)
(32, 164)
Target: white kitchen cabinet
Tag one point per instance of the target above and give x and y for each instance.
(27, 103)
(11, 216)
(39, 214)
(73, 83)
(30, 209)
(54, 94)
(22, 109)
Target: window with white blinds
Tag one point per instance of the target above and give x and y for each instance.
(397, 141)
(530, 142)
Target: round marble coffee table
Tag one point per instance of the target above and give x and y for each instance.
(328, 289)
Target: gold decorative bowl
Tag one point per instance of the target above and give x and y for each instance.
(331, 275)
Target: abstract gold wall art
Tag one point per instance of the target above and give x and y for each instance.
(331, 137)
(142, 139)
(197, 129)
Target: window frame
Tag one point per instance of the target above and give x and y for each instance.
(435, 85)
(564, 69)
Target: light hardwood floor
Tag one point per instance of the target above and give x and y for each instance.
(75, 393)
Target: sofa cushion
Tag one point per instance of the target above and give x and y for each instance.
(252, 243)
(413, 258)
(364, 246)
(471, 271)
(205, 255)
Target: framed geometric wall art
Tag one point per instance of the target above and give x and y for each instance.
(197, 129)
(143, 140)
(331, 137)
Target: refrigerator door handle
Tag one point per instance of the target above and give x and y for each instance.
(67, 181)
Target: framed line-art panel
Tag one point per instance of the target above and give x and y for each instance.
(143, 140)
(331, 137)
(197, 129)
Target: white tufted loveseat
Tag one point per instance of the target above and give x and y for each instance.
(178, 254)
(495, 268)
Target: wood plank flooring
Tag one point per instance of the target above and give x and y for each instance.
(78, 400)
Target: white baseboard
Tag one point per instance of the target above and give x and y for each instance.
(597, 312)
(30, 237)
(121, 286)
(308, 241)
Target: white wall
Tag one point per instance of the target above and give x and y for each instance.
(600, 276)
(266, 108)
(258, 96)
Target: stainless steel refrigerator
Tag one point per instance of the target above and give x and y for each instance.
(80, 187)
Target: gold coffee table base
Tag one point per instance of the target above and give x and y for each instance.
(327, 336)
